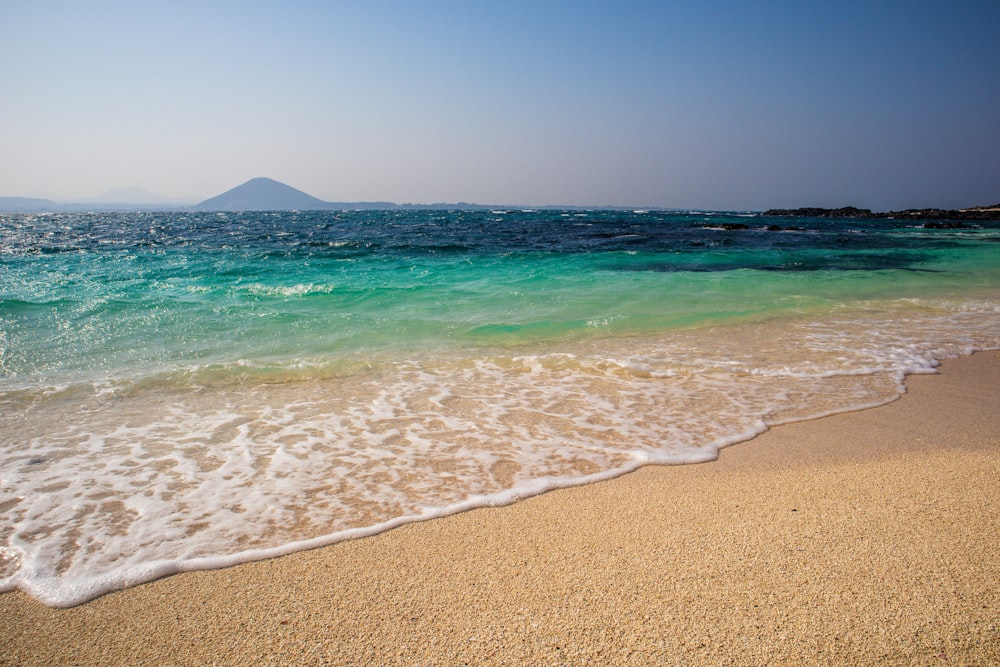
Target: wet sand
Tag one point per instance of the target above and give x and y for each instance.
(866, 538)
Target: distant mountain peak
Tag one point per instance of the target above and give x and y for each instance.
(263, 194)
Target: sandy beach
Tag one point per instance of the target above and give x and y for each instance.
(864, 538)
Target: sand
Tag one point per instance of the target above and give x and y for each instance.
(865, 538)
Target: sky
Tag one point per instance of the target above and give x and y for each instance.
(715, 104)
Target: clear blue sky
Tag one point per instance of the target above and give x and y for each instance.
(709, 104)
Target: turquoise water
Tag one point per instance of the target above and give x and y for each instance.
(182, 391)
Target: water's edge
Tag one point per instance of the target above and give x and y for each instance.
(158, 570)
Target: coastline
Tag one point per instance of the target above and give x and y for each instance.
(864, 537)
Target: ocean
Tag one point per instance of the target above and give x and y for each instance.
(185, 391)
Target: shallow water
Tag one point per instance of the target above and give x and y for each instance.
(183, 391)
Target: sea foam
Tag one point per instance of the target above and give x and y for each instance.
(113, 489)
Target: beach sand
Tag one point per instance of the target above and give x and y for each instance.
(866, 538)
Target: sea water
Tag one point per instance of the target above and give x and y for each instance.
(191, 390)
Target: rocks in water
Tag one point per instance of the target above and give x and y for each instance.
(950, 219)
(811, 212)
(947, 224)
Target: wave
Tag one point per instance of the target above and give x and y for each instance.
(305, 289)
(233, 462)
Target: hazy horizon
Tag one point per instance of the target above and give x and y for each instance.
(718, 105)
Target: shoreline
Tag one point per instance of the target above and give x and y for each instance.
(861, 537)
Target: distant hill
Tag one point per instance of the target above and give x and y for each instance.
(264, 194)
(27, 205)
(267, 194)
(34, 205)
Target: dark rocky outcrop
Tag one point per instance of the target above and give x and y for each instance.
(812, 212)
(916, 214)
(945, 224)
(728, 226)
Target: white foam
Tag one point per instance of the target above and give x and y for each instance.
(302, 289)
(106, 489)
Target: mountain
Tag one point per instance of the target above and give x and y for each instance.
(264, 194)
